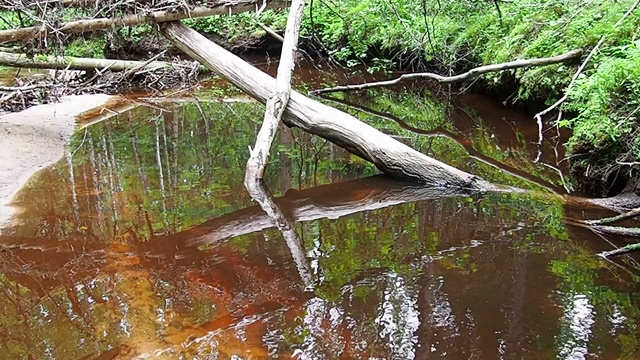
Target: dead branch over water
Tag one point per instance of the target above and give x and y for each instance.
(471, 74)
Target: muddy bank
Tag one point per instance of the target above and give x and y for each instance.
(34, 138)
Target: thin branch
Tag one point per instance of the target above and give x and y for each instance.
(277, 102)
(473, 73)
(564, 98)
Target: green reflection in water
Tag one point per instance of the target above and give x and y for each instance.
(103, 263)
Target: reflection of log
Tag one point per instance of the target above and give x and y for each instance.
(327, 201)
(389, 155)
(218, 7)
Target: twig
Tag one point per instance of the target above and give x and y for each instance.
(26, 88)
(473, 73)
(542, 113)
(271, 32)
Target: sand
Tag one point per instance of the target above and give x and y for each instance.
(34, 138)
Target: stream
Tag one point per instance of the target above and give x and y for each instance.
(142, 242)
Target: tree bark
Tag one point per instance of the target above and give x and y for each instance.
(73, 63)
(471, 74)
(389, 155)
(276, 103)
(218, 7)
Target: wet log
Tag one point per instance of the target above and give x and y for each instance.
(74, 63)
(388, 154)
(79, 26)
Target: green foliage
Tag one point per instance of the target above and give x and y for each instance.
(239, 26)
(606, 99)
(89, 48)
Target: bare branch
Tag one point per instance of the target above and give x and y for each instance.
(473, 73)
(564, 98)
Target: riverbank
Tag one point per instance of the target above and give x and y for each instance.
(453, 36)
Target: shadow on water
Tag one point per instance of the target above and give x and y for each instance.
(143, 243)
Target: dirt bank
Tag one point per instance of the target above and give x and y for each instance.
(34, 138)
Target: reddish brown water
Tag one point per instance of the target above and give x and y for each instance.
(143, 243)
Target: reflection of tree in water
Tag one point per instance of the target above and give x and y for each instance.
(395, 265)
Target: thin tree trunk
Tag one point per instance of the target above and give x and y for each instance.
(276, 103)
(389, 155)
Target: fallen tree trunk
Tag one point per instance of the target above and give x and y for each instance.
(471, 74)
(74, 63)
(471, 151)
(389, 155)
(217, 8)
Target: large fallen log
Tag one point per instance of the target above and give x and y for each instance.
(74, 63)
(388, 154)
(216, 8)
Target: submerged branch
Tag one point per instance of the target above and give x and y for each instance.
(614, 219)
(471, 74)
(471, 151)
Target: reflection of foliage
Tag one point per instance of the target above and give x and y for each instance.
(384, 277)
(430, 116)
(162, 172)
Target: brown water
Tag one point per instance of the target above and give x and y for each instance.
(143, 243)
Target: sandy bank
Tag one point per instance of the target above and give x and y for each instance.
(34, 138)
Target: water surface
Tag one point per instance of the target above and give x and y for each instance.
(143, 243)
